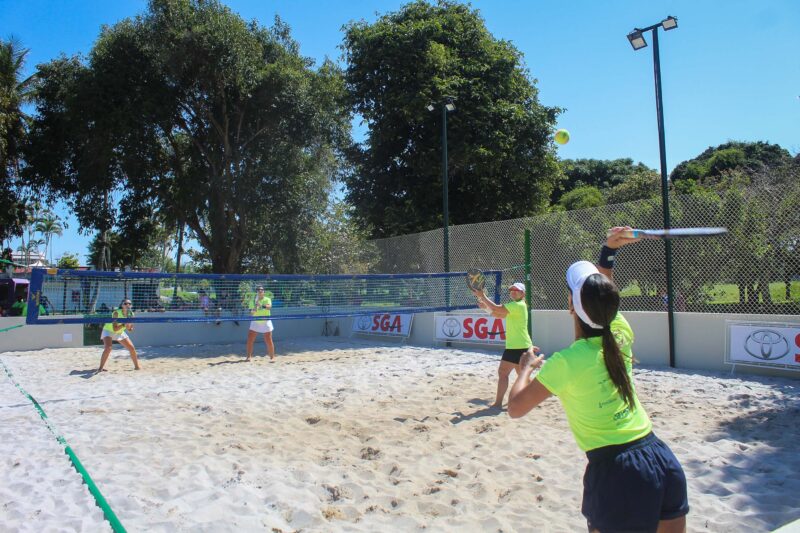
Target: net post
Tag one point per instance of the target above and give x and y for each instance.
(528, 280)
(34, 295)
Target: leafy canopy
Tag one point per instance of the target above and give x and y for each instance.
(501, 160)
(188, 113)
(15, 92)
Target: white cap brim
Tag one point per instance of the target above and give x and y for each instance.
(576, 276)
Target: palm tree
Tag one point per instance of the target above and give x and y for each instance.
(29, 249)
(49, 225)
(32, 217)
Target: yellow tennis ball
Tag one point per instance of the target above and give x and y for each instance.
(562, 136)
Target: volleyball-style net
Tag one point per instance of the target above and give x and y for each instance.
(85, 296)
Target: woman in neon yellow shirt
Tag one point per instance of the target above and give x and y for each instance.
(116, 331)
(633, 482)
(518, 341)
(260, 306)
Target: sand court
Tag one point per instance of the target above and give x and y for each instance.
(348, 435)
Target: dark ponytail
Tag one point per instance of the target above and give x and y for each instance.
(600, 300)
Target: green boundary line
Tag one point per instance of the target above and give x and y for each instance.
(101, 502)
(7, 262)
(12, 327)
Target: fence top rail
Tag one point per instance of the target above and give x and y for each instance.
(260, 277)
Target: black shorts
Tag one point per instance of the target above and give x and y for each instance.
(631, 487)
(513, 355)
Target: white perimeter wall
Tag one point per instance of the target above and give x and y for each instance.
(699, 337)
(148, 334)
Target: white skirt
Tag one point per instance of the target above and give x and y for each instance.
(261, 326)
(122, 335)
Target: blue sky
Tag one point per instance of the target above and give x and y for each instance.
(730, 70)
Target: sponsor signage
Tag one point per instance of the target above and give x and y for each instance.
(392, 324)
(470, 328)
(764, 343)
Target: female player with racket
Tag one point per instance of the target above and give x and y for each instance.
(518, 341)
(633, 482)
(116, 331)
(260, 307)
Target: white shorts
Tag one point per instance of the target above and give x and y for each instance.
(114, 336)
(261, 326)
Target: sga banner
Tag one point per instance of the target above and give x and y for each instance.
(764, 343)
(478, 328)
(392, 324)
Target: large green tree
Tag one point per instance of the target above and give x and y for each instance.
(599, 173)
(215, 122)
(750, 158)
(501, 157)
(15, 91)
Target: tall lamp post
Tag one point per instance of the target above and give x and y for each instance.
(636, 38)
(447, 106)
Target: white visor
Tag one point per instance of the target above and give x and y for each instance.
(576, 276)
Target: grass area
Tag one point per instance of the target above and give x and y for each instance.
(728, 293)
(183, 295)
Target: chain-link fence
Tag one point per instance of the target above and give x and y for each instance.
(753, 269)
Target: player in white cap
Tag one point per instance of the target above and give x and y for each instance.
(518, 341)
(633, 482)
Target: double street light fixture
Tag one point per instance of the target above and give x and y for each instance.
(636, 38)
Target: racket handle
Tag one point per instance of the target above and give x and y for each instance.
(630, 233)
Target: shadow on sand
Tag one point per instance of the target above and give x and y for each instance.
(487, 410)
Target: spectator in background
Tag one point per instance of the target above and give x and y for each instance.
(678, 303)
(205, 301)
(48, 307)
(17, 307)
(42, 310)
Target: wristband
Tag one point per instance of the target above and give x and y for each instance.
(607, 256)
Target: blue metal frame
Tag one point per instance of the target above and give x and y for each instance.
(37, 281)
(34, 295)
(301, 277)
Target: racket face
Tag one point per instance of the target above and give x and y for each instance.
(674, 233)
(691, 232)
(475, 279)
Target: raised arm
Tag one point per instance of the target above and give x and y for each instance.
(484, 302)
(615, 240)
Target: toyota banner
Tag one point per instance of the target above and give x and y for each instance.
(764, 344)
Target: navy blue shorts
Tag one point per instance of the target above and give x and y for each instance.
(513, 355)
(631, 487)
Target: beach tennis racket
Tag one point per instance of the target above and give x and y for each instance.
(476, 281)
(672, 233)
